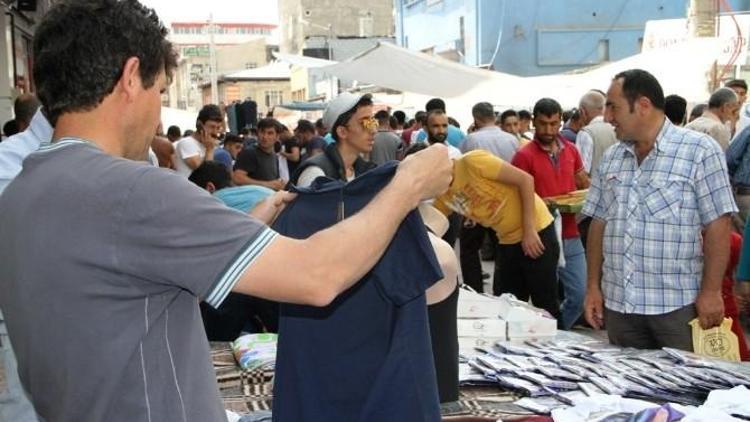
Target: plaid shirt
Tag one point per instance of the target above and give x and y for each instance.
(653, 257)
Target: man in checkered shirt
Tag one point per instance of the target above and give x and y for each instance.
(661, 205)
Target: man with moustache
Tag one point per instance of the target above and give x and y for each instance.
(658, 243)
(557, 168)
(437, 131)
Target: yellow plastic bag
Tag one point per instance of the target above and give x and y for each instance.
(718, 342)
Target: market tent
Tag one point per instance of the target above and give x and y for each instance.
(303, 106)
(397, 68)
(682, 70)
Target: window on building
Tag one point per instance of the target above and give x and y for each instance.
(251, 65)
(273, 98)
(603, 50)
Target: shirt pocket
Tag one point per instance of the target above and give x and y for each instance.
(662, 198)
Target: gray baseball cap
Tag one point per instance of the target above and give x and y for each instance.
(338, 106)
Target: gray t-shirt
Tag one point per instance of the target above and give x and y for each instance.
(102, 263)
(385, 147)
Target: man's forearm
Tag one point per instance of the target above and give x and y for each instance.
(715, 253)
(594, 253)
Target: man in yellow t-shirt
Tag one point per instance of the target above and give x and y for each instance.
(496, 194)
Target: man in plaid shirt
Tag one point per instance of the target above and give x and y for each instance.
(661, 204)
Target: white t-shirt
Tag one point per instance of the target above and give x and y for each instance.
(185, 148)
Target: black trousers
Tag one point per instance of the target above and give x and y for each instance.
(471, 266)
(444, 336)
(526, 278)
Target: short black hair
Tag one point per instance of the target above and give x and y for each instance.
(80, 49)
(319, 124)
(188, 132)
(10, 127)
(453, 122)
(483, 112)
(675, 107)
(383, 117)
(268, 122)
(24, 107)
(547, 107)
(524, 115)
(344, 118)
(400, 116)
(698, 110)
(174, 130)
(304, 126)
(211, 171)
(393, 121)
(435, 112)
(421, 117)
(210, 112)
(638, 83)
(507, 113)
(231, 138)
(736, 83)
(435, 104)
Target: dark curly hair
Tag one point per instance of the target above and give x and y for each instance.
(81, 46)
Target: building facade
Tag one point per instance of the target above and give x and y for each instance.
(268, 86)
(237, 46)
(300, 19)
(533, 37)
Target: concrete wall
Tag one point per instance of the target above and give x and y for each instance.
(533, 37)
(299, 19)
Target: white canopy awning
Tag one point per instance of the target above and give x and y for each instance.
(397, 68)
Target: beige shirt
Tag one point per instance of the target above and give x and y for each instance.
(710, 124)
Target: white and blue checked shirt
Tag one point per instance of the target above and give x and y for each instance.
(653, 256)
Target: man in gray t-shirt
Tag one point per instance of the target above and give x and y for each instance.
(121, 274)
(104, 259)
(386, 144)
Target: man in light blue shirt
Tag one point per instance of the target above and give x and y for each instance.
(14, 406)
(658, 243)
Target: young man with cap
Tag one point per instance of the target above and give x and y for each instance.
(353, 128)
(120, 246)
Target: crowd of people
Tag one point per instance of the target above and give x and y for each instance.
(104, 254)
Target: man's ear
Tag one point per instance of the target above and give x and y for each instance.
(339, 130)
(130, 81)
(210, 187)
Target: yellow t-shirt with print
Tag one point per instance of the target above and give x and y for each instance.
(476, 194)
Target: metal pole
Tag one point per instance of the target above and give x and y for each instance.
(212, 56)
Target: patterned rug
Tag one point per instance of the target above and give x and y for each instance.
(248, 391)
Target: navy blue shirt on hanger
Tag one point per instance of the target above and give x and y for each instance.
(367, 356)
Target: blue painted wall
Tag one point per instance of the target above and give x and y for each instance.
(536, 37)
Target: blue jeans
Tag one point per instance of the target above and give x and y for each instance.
(573, 279)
